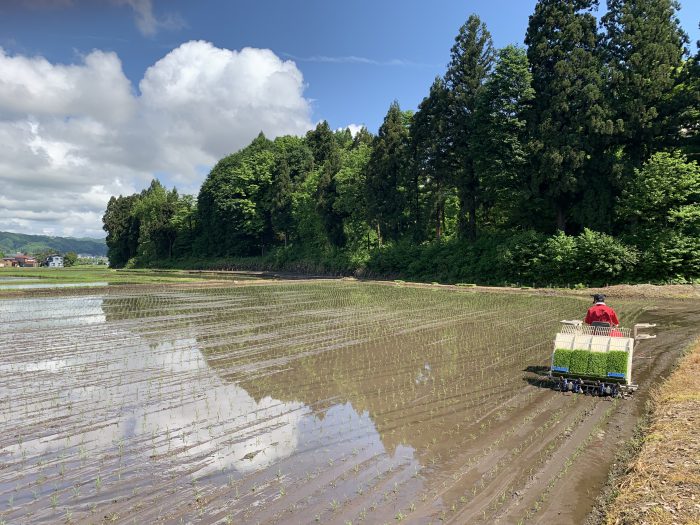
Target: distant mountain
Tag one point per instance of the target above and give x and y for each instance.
(12, 243)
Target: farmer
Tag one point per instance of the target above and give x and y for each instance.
(601, 312)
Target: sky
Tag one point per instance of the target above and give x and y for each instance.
(97, 97)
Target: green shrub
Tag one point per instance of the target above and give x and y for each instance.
(598, 364)
(579, 362)
(562, 358)
(617, 362)
(602, 259)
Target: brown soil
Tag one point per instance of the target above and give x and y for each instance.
(305, 402)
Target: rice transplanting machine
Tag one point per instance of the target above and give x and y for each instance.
(595, 359)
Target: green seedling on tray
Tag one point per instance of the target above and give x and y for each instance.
(562, 358)
(579, 362)
(598, 364)
(617, 362)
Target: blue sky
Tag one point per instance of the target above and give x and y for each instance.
(99, 96)
(356, 57)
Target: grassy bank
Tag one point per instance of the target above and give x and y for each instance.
(662, 484)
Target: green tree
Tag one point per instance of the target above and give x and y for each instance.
(362, 137)
(322, 142)
(350, 201)
(688, 104)
(644, 48)
(69, 259)
(500, 135)
(567, 114)
(471, 61)
(343, 138)
(661, 206)
(385, 177)
(431, 150)
(184, 223)
(281, 200)
(154, 210)
(297, 154)
(232, 215)
(122, 229)
(326, 196)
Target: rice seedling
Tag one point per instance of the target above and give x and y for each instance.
(617, 363)
(579, 362)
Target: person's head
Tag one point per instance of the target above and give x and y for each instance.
(599, 298)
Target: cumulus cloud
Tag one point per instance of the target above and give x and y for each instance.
(354, 128)
(75, 134)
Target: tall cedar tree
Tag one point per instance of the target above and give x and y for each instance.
(471, 60)
(500, 152)
(644, 48)
(688, 106)
(568, 113)
(281, 200)
(430, 148)
(362, 137)
(322, 142)
(326, 196)
(386, 171)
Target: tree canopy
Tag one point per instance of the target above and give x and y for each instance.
(575, 155)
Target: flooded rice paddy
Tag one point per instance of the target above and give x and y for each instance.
(30, 285)
(298, 402)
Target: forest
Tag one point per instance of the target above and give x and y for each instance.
(570, 161)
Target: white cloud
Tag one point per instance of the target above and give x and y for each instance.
(75, 134)
(146, 20)
(96, 88)
(354, 59)
(354, 128)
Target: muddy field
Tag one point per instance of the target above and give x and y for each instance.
(297, 402)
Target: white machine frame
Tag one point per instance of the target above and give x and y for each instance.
(574, 335)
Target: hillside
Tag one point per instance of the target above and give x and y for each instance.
(11, 243)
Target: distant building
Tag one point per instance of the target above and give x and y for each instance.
(54, 261)
(22, 261)
(9, 262)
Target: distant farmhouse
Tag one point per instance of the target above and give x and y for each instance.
(54, 261)
(20, 261)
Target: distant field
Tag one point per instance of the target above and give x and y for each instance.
(19, 278)
(330, 402)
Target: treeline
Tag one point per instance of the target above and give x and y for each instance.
(573, 160)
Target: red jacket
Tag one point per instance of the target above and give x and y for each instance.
(601, 312)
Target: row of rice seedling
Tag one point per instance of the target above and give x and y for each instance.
(591, 363)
